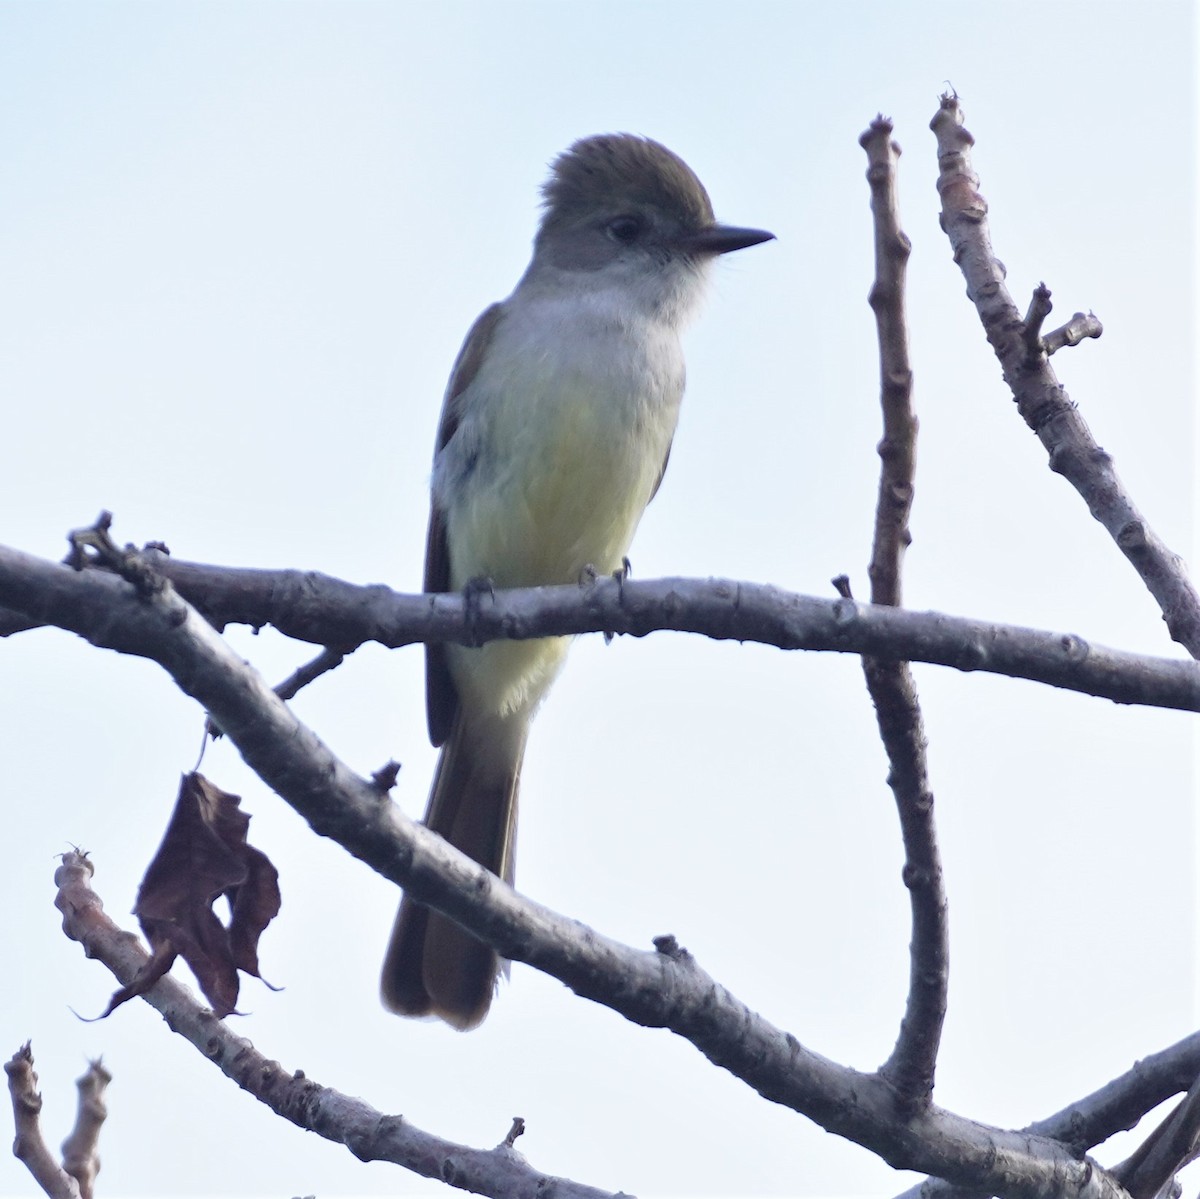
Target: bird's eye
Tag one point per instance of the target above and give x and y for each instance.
(624, 229)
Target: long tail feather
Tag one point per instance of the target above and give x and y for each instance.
(434, 967)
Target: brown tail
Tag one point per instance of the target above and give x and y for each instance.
(434, 967)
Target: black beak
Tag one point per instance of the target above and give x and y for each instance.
(721, 239)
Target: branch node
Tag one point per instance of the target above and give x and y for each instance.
(668, 947)
(384, 779)
(129, 563)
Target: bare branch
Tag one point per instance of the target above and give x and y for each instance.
(897, 450)
(29, 1146)
(1115, 1107)
(1040, 307)
(328, 659)
(331, 611)
(1121, 1103)
(516, 1130)
(1081, 325)
(80, 1157)
(1041, 399)
(662, 989)
(913, 1061)
(369, 1134)
(1170, 1147)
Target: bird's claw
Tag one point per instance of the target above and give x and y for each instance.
(472, 593)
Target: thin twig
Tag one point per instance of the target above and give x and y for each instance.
(1041, 399)
(369, 1134)
(330, 611)
(913, 1061)
(330, 658)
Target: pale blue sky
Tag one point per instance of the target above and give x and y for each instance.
(240, 245)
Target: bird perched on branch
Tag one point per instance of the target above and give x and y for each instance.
(554, 436)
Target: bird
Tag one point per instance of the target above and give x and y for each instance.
(555, 431)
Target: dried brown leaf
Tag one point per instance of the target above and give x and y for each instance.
(204, 855)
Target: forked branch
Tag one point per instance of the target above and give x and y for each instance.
(1041, 398)
(655, 989)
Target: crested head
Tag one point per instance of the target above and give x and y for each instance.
(624, 213)
(616, 172)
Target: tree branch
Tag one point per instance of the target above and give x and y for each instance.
(1115, 1107)
(29, 1146)
(330, 658)
(897, 450)
(913, 1061)
(662, 989)
(1081, 325)
(333, 612)
(80, 1157)
(1170, 1147)
(369, 1134)
(1041, 399)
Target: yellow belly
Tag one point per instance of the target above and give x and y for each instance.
(567, 495)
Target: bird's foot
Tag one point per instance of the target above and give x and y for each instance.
(473, 593)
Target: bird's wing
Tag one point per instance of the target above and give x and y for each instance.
(441, 698)
(661, 473)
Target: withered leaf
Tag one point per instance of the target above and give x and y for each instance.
(204, 855)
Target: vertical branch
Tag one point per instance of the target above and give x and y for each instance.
(80, 1158)
(898, 448)
(29, 1146)
(1041, 399)
(912, 1064)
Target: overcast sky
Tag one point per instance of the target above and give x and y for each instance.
(240, 245)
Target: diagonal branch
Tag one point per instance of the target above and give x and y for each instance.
(332, 612)
(913, 1061)
(369, 1134)
(663, 989)
(1041, 399)
(1170, 1147)
(330, 658)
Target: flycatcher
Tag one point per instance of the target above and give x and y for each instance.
(554, 436)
